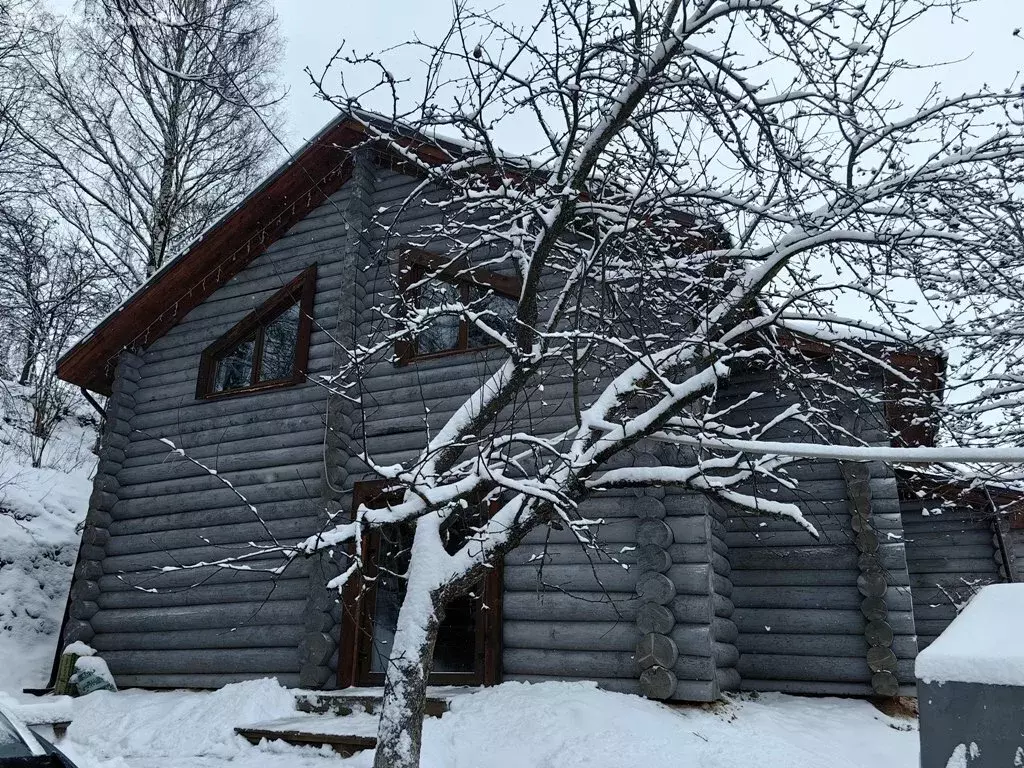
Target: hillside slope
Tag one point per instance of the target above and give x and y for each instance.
(40, 511)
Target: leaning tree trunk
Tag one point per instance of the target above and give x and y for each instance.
(400, 732)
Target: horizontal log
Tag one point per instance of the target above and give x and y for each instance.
(600, 577)
(205, 661)
(198, 617)
(695, 668)
(271, 454)
(921, 542)
(688, 530)
(953, 553)
(197, 681)
(213, 535)
(207, 594)
(584, 664)
(810, 688)
(168, 558)
(256, 570)
(800, 597)
(853, 646)
(570, 636)
(695, 690)
(613, 532)
(293, 489)
(190, 520)
(541, 606)
(784, 578)
(812, 621)
(569, 554)
(310, 469)
(692, 639)
(281, 635)
(812, 668)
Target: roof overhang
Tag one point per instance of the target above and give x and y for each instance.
(306, 180)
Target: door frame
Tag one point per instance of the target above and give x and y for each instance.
(358, 598)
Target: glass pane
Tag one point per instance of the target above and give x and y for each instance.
(234, 369)
(502, 319)
(280, 339)
(11, 744)
(443, 333)
(455, 648)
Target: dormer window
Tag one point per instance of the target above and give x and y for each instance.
(426, 280)
(269, 348)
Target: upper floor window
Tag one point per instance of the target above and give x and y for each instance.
(428, 280)
(268, 348)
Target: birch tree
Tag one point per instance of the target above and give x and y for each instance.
(152, 119)
(707, 175)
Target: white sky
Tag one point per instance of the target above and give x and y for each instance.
(982, 47)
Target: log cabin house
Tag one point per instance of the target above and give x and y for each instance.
(220, 353)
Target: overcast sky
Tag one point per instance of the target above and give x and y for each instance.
(983, 47)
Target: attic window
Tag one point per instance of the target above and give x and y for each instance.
(269, 348)
(427, 280)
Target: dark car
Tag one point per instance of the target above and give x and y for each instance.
(22, 748)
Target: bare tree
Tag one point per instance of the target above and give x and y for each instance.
(707, 175)
(153, 117)
(49, 294)
(709, 178)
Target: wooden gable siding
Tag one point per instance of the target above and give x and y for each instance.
(951, 555)
(235, 624)
(798, 606)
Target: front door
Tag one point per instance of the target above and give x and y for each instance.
(468, 646)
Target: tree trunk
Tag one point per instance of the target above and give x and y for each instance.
(400, 732)
(30, 359)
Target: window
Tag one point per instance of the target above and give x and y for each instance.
(268, 348)
(449, 334)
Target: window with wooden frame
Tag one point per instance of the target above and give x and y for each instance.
(428, 280)
(269, 348)
(468, 646)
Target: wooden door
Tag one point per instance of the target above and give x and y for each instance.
(468, 646)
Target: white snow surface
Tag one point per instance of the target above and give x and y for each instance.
(514, 725)
(39, 510)
(982, 644)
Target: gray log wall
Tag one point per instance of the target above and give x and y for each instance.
(208, 627)
(684, 600)
(951, 554)
(821, 616)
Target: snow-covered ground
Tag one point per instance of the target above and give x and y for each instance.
(514, 725)
(39, 511)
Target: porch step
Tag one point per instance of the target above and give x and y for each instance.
(345, 735)
(346, 722)
(343, 704)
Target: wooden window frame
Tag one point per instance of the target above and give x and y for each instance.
(359, 597)
(413, 267)
(302, 289)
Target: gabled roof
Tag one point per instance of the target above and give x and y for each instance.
(303, 182)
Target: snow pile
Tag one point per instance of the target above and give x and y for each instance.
(983, 644)
(514, 725)
(176, 724)
(39, 511)
(518, 725)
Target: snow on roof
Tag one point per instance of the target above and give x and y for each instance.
(983, 644)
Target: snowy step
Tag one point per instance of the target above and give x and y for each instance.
(345, 735)
(346, 722)
(348, 703)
